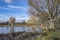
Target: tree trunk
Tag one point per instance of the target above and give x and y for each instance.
(51, 23)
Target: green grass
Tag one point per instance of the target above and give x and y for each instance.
(52, 34)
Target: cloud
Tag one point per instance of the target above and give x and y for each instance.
(3, 7)
(8, 1)
(13, 8)
(5, 17)
(6, 8)
(1, 15)
(17, 15)
(16, 7)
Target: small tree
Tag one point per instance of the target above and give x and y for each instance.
(11, 21)
(32, 20)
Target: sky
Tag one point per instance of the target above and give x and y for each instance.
(15, 8)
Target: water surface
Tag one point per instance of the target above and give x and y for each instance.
(17, 29)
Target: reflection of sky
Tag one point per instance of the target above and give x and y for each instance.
(4, 30)
(15, 8)
(17, 29)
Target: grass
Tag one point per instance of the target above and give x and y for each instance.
(52, 34)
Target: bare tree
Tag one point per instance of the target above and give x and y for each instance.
(53, 11)
(11, 21)
(48, 7)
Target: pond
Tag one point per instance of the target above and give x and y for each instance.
(4, 30)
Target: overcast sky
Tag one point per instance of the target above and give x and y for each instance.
(15, 8)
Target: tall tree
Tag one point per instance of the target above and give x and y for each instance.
(48, 7)
(53, 10)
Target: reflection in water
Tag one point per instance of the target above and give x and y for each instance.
(17, 29)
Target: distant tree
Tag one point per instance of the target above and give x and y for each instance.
(32, 20)
(11, 20)
(24, 21)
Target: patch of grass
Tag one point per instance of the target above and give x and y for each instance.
(52, 35)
